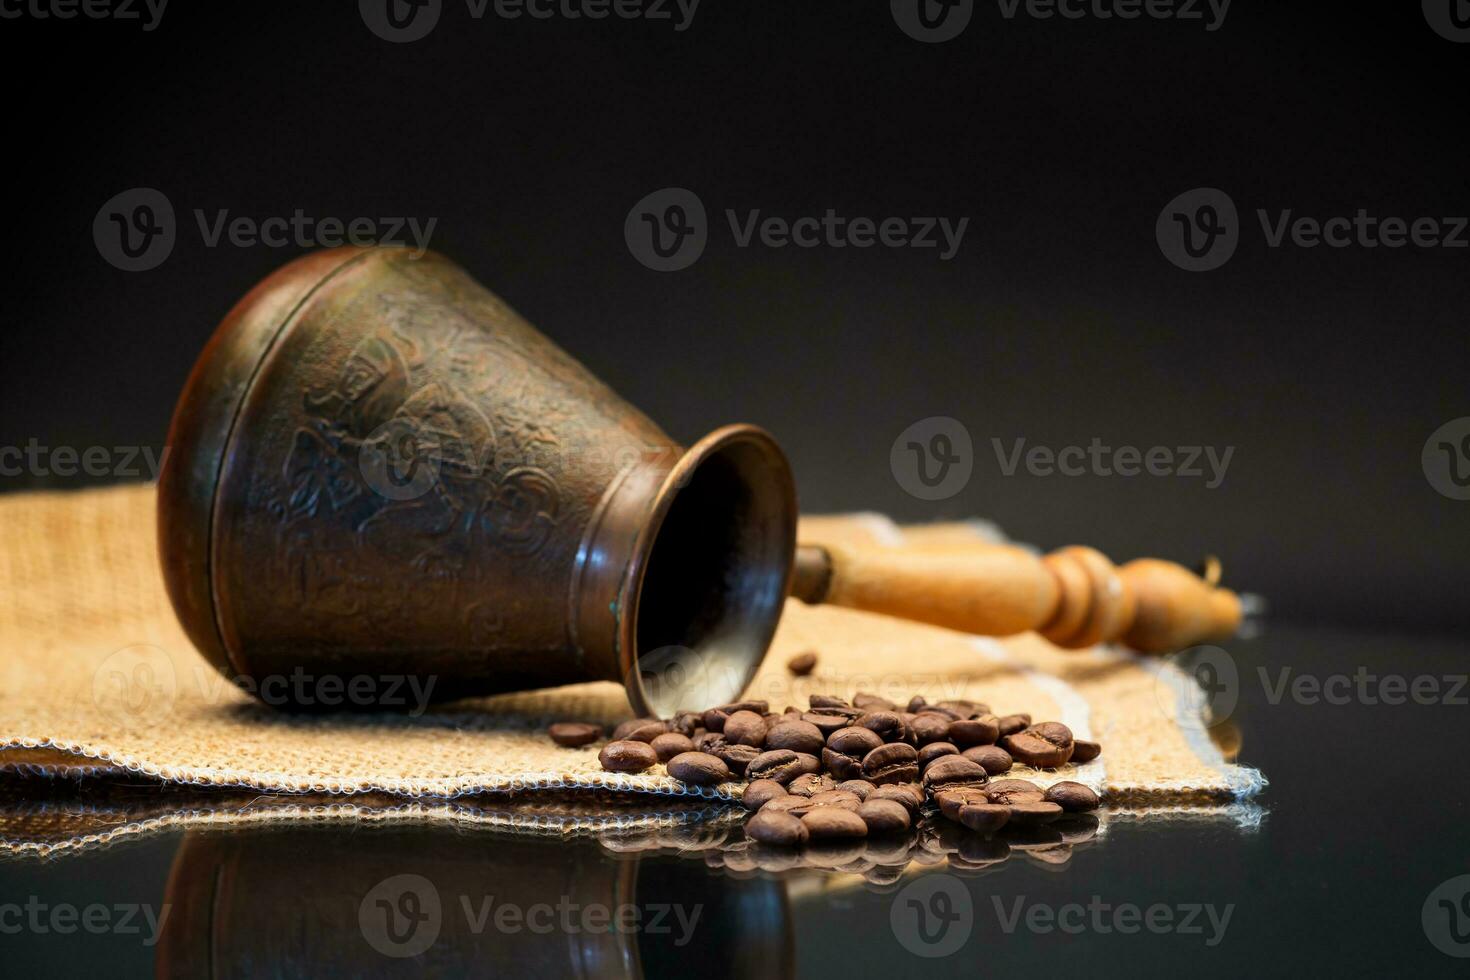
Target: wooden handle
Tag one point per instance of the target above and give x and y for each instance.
(1075, 597)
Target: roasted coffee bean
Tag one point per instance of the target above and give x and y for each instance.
(966, 709)
(833, 823)
(825, 723)
(1030, 814)
(887, 725)
(646, 729)
(737, 757)
(802, 664)
(798, 736)
(782, 765)
(1076, 828)
(916, 704)
(893, 762)
(929, 726)
(686, 723)
(825, 701)
(993, 758)
(1014, 791)
(759, 707)
(974, 731)
(1010, 724)
(953, 771)
(714, 720)
(854, 741)
(858, 787)
(841, 766)
(709, 742)
(574, 733)
(776, 829)
(626, 755)
(794, 805)
(872, 702)
(760, 792)
(698, 769)
(1071, 796)
(745, 728)
(903, 793)
(1043, 746)
(670, 744)
(836, 797)
(1084, 751)
(885, 817)
(946, 710)
(935, 750)
(984, 818)
(950, 800)
(810, 785)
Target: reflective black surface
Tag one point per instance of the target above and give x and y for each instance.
(1364, 818)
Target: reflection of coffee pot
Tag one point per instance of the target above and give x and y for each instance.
(378, 901)
(377, 468)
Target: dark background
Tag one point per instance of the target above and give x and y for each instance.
(1059, 320)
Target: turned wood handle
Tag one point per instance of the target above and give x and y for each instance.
(1075, 597)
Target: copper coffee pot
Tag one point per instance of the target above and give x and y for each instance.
(378, 468)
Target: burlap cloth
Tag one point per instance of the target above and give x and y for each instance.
(98, 681)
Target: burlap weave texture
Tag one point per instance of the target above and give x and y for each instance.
(98, 679)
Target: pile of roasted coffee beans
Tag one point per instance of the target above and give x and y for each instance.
(845, 770)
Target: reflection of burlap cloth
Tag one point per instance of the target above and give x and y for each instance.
(96, 678)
